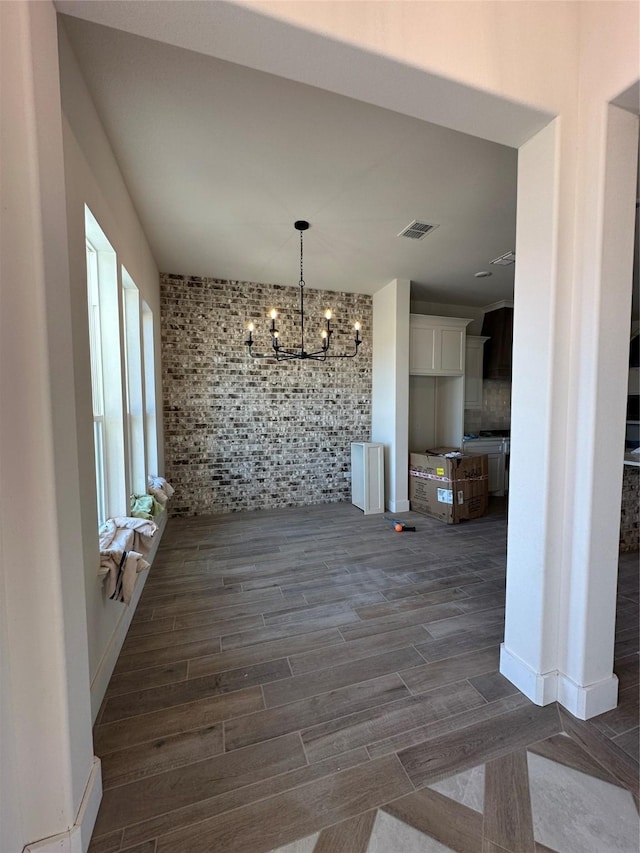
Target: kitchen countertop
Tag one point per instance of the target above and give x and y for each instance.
(632, 459)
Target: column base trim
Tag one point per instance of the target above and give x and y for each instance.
(589, 701)
(78, 838)
(541, 688)
(583, 702)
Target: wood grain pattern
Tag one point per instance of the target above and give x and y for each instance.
(331, 678)
(430, 675)
(449, 822)
(507, 803)
(193, 715)
(155, 795)
(252, 728)
(200, 810)
(419, 616)
(301, 811)
(355, 650)
(236, 658)
(378, 723)
(349, 836)
(479, 743)
(180, 693)
(156, 756)
(331, 615)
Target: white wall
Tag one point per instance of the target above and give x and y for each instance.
(47, 753)
(390, 388)
(93, 178)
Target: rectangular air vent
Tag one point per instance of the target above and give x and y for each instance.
(505, 260)
(417, 230)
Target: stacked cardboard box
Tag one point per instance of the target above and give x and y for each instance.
(452, 489)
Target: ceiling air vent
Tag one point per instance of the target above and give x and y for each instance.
(417, 230)
(505, 260)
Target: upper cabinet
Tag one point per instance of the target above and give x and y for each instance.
(498, 326)
(437, 345)
(473, 372)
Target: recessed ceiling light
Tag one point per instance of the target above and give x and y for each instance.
(482, 274)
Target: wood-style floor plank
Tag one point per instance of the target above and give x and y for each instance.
(157, 756)
(289, 672)
(301, 811)
(355, 650)
(321, 681)
(507, 803)
(122, 734)
(199, 810)
(452, 824)
(349, 836)
(476, 744)
(155, 795)
(180, 693)
(378, 723)
(253, 728)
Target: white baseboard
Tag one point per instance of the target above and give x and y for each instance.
(76, 839)
(583, 702)
(541, 688)
(589, 701)
(399, 506)
(107, 664)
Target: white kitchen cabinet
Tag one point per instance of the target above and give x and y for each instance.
(367, 476)
(494, 448)
(473, 371)
(437, 345)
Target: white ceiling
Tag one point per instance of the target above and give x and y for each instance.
(220, 159)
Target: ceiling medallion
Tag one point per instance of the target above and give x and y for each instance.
(281, 353)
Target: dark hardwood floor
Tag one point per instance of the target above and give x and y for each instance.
(312, 676)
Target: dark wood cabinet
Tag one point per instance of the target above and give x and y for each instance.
(498, 327)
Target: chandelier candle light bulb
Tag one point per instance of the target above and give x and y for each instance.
(282, 354)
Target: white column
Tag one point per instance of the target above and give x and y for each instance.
(571, 324)
(390, 388)
(46, 730)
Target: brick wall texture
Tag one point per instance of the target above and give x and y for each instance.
(244, 433)
(629, 529)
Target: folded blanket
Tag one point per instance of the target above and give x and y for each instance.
(121, 569)
(144, 506)
(111, 536)
(142, 526)
(161, 484)
(158, 494)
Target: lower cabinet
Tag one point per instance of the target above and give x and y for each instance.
(367, 476)
(496, 460)
(496, 473)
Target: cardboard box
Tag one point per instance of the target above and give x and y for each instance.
(449, 489)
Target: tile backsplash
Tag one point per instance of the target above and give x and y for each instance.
(496, 407)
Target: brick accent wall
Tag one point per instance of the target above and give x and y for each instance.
(629, 516)
(244, 433)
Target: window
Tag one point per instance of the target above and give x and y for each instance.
(121, 342)
(134, 396)
(97, 389)
(151, 433)
(106, 372)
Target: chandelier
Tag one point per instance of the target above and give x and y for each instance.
(281, 353)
